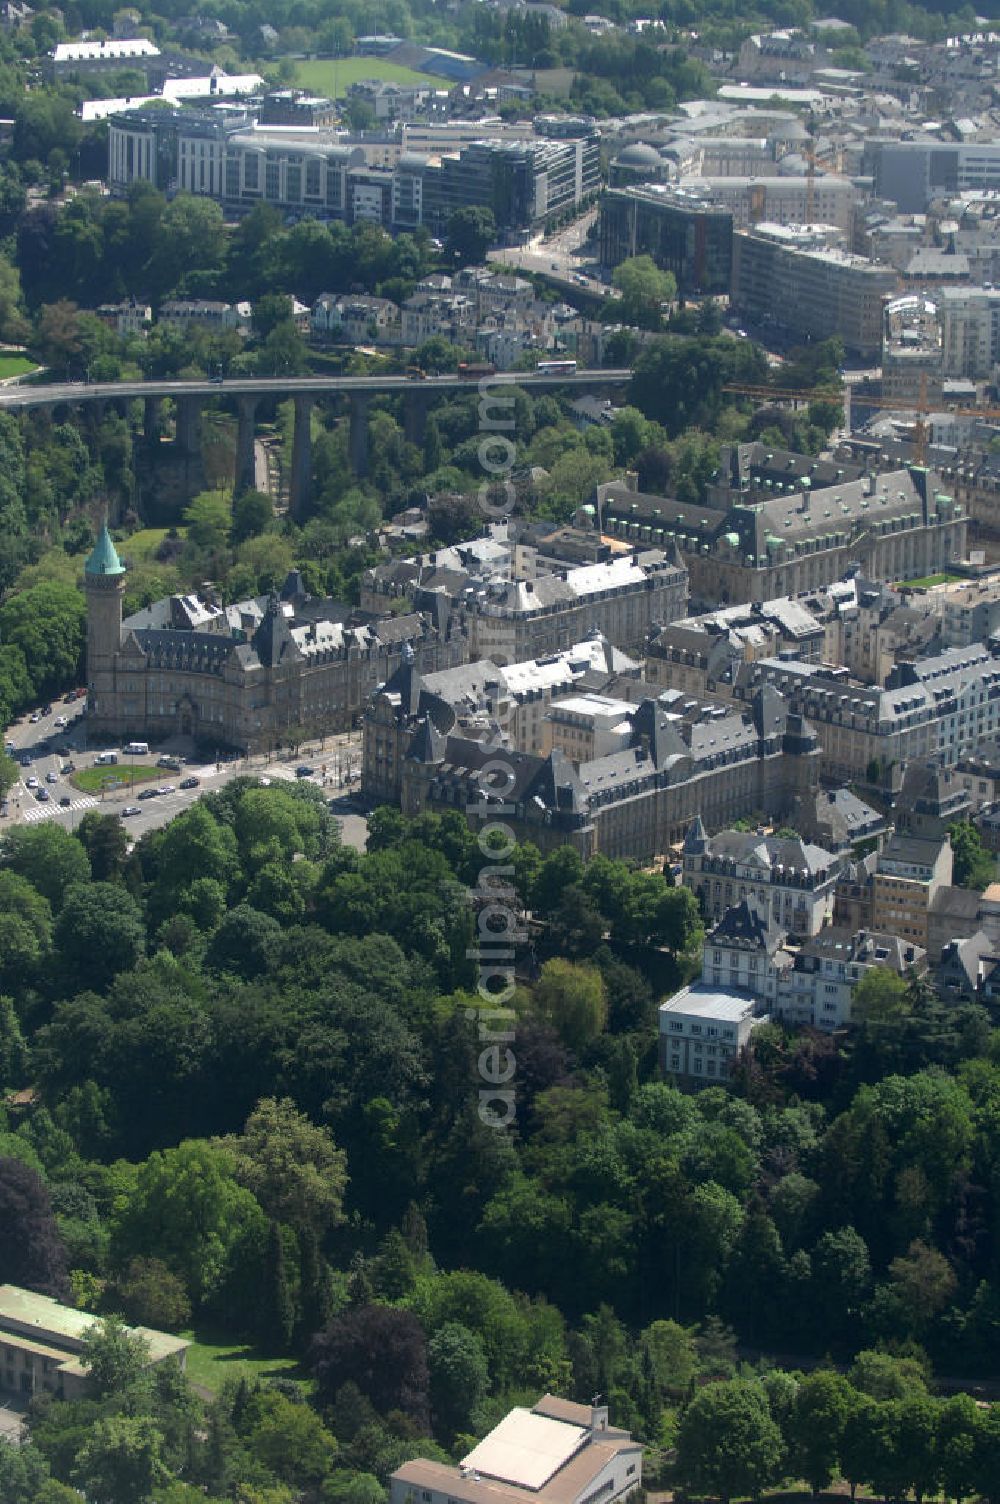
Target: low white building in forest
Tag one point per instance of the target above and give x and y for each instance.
(558, 1452)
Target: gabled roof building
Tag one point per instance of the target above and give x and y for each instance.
(248, 675)
(790, 881)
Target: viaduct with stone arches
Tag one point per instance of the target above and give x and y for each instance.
(182, 456)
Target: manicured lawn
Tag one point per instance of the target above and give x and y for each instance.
(141, 547)
(118, 776)
(211, 1361)
(15, 365)
(928, 581)
(332, 77)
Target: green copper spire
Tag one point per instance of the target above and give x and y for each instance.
(104, 560)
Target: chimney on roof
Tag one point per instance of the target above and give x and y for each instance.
(598, 1415)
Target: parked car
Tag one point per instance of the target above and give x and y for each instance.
(304, 771)
(190, 783)
(148, 794)
(9, 747)
(133, 809)
(166, 788)
(166, 761)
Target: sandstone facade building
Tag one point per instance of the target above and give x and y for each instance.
(635, 802)
(511, 616)
(249, 676)
(752, 543)
(939, 708)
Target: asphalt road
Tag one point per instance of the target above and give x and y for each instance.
(37, 739)
(76, 392)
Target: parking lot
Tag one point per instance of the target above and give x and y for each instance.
(51, 743)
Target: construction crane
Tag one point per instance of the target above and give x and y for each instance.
(842, 396)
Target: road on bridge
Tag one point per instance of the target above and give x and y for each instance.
(74, 392)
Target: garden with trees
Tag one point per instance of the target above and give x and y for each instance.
(242, 1070)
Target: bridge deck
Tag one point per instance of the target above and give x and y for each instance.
(75, 392)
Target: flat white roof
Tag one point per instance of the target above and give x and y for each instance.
(702, 1001)
(594, 705)
(525, 1449)
(83, 52)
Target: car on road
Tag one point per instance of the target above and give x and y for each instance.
(67, 768)
(35, 717)
(46, 710)
(9, 747)
(190, 783)
(304, 771)
(60, 720)
(31, 783)
(25, 759)
(133, 809)
(148, 794)
(65, 802)
(42, 796)
(166, 788)
(51, 777)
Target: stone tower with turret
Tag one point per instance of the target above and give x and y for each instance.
(104, 581)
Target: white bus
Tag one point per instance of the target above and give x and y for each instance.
(556, 367)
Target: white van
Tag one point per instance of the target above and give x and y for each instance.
(104, 759)
(137, 749)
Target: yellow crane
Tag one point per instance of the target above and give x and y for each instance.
(842, 396)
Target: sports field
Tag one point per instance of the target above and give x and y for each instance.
(333, 76)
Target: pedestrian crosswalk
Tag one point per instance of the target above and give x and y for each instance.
(46, 811)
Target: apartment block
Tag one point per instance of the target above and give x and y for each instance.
(786, 277)
(909, 872)
(970, 331)
(938, 708)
